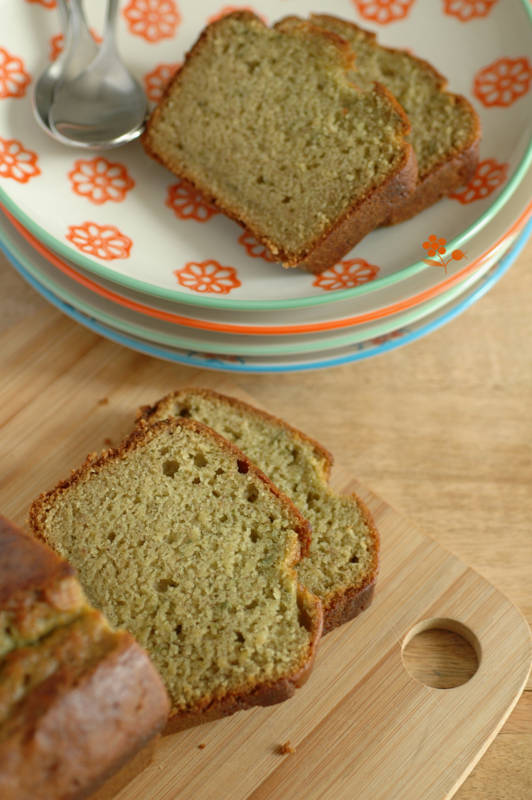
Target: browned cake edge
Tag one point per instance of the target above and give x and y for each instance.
(451, 172)
(264, 694)
(357, 221)
(94, 463)
(442, 179)
(78, 731)
(27, 565)
(119, 701)
(147, 412)
(348, 603)
(310, 607)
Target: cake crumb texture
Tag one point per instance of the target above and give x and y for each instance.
(343, 558)
(181, 541)
(266, 124)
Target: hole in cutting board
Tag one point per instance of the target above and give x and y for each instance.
(441, 653)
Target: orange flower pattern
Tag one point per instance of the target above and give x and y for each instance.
(99, 180)
(187, 203)
(468, 9)
(347, 274)
(383, 11)
(503, 82)
(103, 241)
(13, 78)
(488, 177)
(208, 277)
(255, 249)
(229, 10)
(153, 20)
(16, 162)
(57, 43)
(155, 82)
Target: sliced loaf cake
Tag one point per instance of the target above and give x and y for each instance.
(342, 563)
(264, 122)
(181, 540)
(81, 706)
(445, 127)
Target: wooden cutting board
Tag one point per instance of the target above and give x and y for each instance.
(362, 727)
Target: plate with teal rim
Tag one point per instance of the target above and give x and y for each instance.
(275, 364)
(164, 333)
(124, 218)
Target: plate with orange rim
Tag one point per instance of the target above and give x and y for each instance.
(369, 307)
(164, 333)
(122, 218)
(302, 361)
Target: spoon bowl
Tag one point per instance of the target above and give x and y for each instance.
(64, 66)
(103, 106)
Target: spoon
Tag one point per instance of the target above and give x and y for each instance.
(104, 106)
(64, 65)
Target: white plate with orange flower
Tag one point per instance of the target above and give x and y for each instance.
(372, 306)
(124, 218)
(305, 361)
(165, 333)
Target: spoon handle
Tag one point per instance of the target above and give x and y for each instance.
(80, 45)
(64, 15)
(112, 9)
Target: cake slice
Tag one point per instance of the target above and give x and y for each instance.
(342, 563)
(445, 131)
(264, 122)
(81, 706)
(181, 540)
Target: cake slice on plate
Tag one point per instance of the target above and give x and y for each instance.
(445, 127)
(265, 123)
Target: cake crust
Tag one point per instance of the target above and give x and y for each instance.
(86, 698)
(449, 173)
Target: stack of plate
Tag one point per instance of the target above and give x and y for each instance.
(118, 244)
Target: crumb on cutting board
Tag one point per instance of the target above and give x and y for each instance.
(108, 442)
(103, 402)
(202, 746)
(286, 748)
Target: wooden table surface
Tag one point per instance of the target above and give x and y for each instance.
(441, 430)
